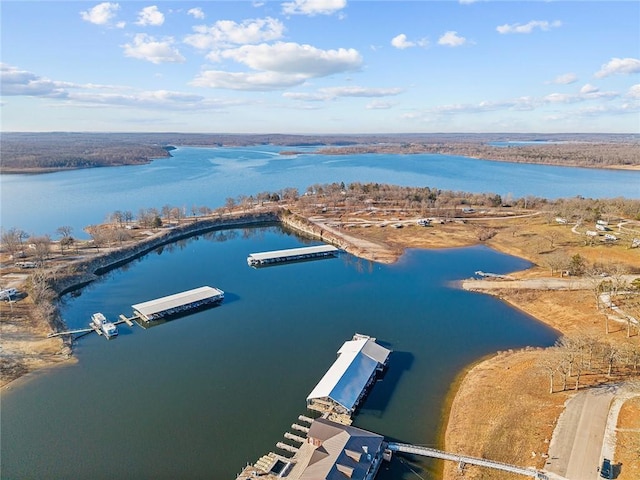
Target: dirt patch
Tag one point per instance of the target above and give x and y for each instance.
(25, 346)
(628, 440)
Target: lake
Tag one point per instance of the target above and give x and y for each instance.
(39, 204)
(202, 395)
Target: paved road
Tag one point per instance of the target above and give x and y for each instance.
(576, 446)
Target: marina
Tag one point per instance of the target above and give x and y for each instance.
(211, 355)
(331, 447)
(291, 255)
(152, 311)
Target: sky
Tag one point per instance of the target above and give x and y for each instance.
(321, 66)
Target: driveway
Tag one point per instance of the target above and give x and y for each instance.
(576, 445)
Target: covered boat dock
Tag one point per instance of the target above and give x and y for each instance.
(346, 382)
(291, 255)
(177, 303)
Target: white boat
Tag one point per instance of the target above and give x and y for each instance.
(108, 329)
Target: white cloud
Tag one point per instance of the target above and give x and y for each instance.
(296, 59)
(561, 98)
(225, 33)
(150, 16)
(327, 94)
(278, 66)
(17, 82)
(102, 14)
(261, 81)
(378, 105)
(14, 81)
(451, 39)
(196, 13)
(619, 66)
(146, 47)
(588, 88)
(313, 7)
(528, 27)
(401, 42)
(634, 91)
(565, 79)
(360, 92)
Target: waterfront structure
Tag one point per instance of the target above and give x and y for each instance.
(346, 382)
(335, 451)
(291, 255)
(178, 303)
(330, 451)
(103, 326)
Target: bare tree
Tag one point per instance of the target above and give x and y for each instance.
(11, 241)
(98, 236)
(556, 261)
(41, 247)
(66, 239)
(611, 354)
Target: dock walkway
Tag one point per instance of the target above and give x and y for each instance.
(463, 460)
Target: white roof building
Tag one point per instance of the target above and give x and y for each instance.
(346, 381)
(179, 302)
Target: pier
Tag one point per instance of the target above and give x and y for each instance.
(463, 460)
(146, 312)
(291, 255)
(93, 328)
(330, 442)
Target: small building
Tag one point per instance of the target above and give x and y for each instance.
(177, 303)
(345, 384)
(334, 451)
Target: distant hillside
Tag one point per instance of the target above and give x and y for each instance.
(45, 152)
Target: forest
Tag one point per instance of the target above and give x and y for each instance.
(24, 152)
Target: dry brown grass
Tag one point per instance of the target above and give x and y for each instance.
(495, 396)
(628, 440)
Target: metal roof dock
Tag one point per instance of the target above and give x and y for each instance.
(177, 303)
(346, 382)
(292, 254)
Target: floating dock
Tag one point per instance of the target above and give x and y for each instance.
(178, 303)
(347, 381)
(291, 255)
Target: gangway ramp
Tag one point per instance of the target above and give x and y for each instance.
(465, 460)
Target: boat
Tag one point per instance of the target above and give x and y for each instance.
(100, 323)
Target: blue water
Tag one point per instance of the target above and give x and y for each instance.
(39, 204)
(202, 395)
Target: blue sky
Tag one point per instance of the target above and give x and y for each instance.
(321, 66)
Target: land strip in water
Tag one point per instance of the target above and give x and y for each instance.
(502, 408)
(49, 152)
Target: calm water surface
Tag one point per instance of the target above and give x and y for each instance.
(39, 204)
(200, 396)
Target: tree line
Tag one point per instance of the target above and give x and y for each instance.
(64, 150)
(576, 357)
